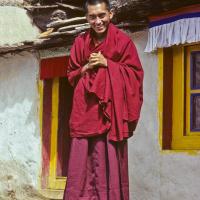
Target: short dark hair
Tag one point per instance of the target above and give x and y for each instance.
(95, 2)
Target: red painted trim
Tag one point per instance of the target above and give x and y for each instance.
(53, 67)
(183, 10)
(46, 130)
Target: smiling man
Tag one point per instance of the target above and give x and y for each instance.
(107, 77)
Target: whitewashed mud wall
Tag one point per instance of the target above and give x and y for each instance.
(15, 26)
(155, 174)
(20, 141)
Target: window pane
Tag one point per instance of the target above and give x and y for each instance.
(195, 70)
(196, 112)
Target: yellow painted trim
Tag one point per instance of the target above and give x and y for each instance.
(54, 130)
(57, 184)
(181, 140)
(188, 142)
(190, 152)
(41, 88)
(40, 112)
(54, 181)
(178, 95)
(187, 91)
(160, 95)
(194, 91)
(190, 49)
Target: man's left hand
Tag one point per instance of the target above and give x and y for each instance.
(97, 59)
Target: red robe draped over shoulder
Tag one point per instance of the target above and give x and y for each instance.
(106, 99)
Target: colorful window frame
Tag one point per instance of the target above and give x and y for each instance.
(192, 91)
(178, 135)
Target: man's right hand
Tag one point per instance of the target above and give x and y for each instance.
(95, 60)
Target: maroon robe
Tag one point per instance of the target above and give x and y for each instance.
(106, 99)
(97, 170)
(106, 108)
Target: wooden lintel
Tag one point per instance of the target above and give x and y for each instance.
(66, 22)
(65, 33)
(70, 27)
(37, 44)
(70, 6)
(40, 7)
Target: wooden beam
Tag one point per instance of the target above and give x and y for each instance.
(82, 28)
(12, 49)
(37, 44)
(66, 22)
(65, 33)
(46, 33)
(70, 27)
(46, 43)
(70, 6)
(31, 8)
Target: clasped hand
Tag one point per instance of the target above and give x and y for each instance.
(97, 59)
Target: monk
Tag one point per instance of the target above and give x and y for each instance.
(107, 77)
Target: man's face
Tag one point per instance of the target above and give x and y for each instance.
(99, 17)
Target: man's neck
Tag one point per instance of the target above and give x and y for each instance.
(100, 37)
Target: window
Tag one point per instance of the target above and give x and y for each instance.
(179, 108)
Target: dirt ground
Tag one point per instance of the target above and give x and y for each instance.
(15, 183)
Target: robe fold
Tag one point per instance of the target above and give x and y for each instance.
(106, 99)
(103, 174)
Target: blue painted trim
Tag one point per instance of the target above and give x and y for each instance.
(172, 19)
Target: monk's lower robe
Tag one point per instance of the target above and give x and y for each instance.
(106, 108)
(97, 170)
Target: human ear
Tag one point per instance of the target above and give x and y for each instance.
(111, 13)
